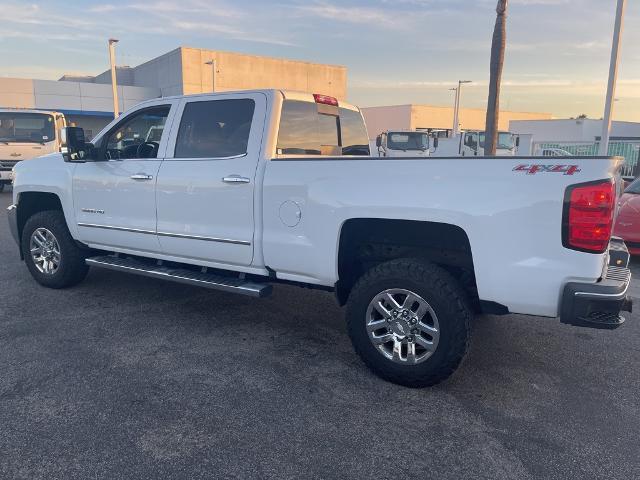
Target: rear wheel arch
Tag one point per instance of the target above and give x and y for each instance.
(367, 242)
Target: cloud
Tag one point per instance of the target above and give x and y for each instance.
(374, 17)
(213, 19)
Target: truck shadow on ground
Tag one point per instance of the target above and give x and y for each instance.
(297, 329)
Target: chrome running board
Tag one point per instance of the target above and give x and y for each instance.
(181, 275)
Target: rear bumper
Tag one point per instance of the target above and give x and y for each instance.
(598, 305)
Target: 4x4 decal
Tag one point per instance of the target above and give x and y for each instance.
(535, 168)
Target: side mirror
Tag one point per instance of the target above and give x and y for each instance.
(517, 142)
(379, 141)
(74, 148)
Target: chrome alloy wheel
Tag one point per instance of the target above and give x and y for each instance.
(45, 251)
(402, 326)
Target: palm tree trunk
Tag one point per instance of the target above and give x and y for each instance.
(497, 61)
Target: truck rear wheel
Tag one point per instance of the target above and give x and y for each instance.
(52, 256)
(409, 321)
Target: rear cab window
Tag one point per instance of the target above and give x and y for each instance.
(309, 128)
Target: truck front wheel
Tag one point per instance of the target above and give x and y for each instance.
(52, 256)
(409, 321)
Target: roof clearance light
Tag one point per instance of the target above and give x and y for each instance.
(325, 99)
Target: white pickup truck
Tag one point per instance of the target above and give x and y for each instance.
(26, 134)
(248, 189)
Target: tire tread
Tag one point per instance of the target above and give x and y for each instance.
(440, 283)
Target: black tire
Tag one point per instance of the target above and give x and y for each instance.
(446, 298)
(72, 268)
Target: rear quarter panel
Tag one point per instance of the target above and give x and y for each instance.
(513, 219)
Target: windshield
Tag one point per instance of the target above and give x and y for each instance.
(26, 127)
(634, 187)
(407, 140)
(505, 141)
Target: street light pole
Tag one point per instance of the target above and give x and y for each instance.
(613, 78)
(456, 110)
(114, 85)
(213, 74)
(455, 107)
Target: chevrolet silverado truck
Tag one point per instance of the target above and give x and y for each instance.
(26, 134)
(241, 191)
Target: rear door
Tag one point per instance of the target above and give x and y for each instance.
(206, 184)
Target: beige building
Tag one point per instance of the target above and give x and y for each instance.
(87, 100)
(412, 117)
(185, 71)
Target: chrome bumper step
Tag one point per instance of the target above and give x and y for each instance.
(181, 275)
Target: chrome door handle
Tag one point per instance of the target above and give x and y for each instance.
(236, 179)
(141, 176)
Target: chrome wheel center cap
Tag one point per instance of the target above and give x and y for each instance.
(401, 328)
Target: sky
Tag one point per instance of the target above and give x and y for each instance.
(396, 51)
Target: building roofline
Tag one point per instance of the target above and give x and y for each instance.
(261, 56)
(412, 105)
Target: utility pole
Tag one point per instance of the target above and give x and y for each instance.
(213, 74)
(613, 78)
(456, 109)
(114, 83)
(455, 103)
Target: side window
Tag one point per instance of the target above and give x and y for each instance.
(355, 140)
(215, 129)
(138, 135)
(305, 131)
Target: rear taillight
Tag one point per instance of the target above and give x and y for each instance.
(588, 216)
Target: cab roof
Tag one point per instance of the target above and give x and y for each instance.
(287, 94)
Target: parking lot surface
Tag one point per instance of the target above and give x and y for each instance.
(126, 377)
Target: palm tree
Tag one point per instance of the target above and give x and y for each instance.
(497, 61)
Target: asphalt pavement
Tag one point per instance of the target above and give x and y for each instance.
(126, 377)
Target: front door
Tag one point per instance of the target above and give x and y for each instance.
(205, 191)
(114, 196)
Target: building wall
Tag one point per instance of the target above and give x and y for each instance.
(16, 93)
(163, 73)
(380, 119)
(411, 117)
(124, 76)
(77, 97)
(426, 116)
(236, 71)
(573, 130)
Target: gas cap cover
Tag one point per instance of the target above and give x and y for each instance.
(290, 213)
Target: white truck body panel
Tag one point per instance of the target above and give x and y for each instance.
(288, 217)
(504, 225)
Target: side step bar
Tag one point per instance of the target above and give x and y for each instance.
(180, 275)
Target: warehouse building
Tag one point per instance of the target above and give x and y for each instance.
(87, 100)
(428, 117)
